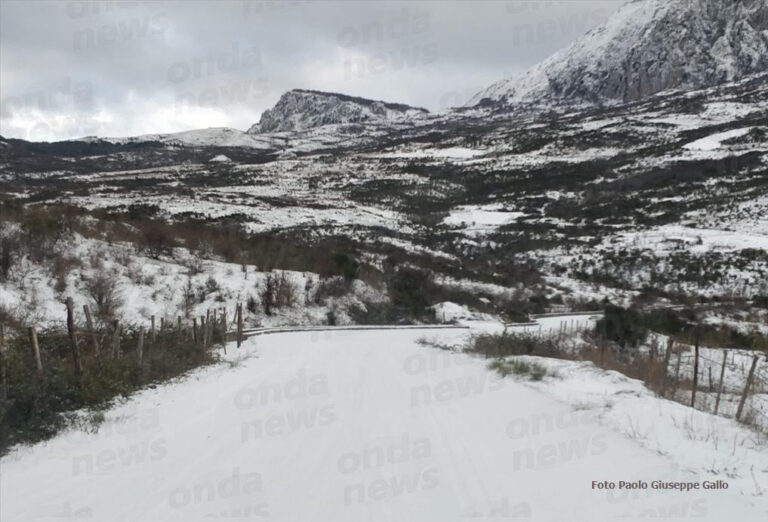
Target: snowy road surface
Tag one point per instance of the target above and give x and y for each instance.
(348, 426)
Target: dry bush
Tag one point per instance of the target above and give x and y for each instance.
(278, 292)
(10, 248)
(513, 343)
(136, 275)
(335, 286)
(101, 287)
(156, 239)
(211, 285)
(372, 276)
(61, 267)
(189, 297)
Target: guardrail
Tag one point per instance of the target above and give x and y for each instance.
(232, 335)
(565, 314)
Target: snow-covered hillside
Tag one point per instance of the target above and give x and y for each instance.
(301, 109)
(646, 47)
(167, 287)
(211, 137)
(351, 426)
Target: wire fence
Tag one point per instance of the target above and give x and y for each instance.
(728, 382)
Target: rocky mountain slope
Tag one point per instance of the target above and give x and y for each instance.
(646, 47)
(210, 137)
(301, 109)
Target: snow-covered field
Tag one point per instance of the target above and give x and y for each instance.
(714, 141)
(696, 240)
(369, 425)
(446, 153)
(476, 219)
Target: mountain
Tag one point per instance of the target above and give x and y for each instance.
(210, 137)
(647, 46)
(301, 109)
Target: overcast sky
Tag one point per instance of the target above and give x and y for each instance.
(120, 68)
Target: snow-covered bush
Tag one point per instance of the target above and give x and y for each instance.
(101, 287)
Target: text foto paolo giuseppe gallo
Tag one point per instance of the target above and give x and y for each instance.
(660, 484)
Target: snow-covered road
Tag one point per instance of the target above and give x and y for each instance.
(348, 426)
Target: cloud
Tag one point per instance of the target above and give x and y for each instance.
(118, 68)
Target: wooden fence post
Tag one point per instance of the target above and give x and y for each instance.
(695, 372)
(208, 330)
(202, 332)
(604, 342)
(720, 385)
(36, 350)
(650, 369)
(239, 324)
(115, 339)
(161, 337)
(224, 323)
(746, 388)
(677, 373)
(92, 331)
(664, 377)
(73, 337)
(224, 328)
(3, 365)
(140, 347)
(214, 323)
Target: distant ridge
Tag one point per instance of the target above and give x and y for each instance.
(301, 109)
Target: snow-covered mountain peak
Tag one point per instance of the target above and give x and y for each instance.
(301, 109)
(646, 47)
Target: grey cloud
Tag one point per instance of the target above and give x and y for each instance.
(111, 67)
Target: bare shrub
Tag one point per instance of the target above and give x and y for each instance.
(102, 289)
(156, 239)
(194, 265)
(123, 256)
(211, 285)
(251, 304)
(136, 274)
(278, 292)
(61, 267)
(335, 286)
(10, 249)
(96, 259)
(513, 343)
(189, 297)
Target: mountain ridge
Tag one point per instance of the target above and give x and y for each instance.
(302, 109)
(646, 47)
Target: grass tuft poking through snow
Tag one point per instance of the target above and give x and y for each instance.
(533, 370)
